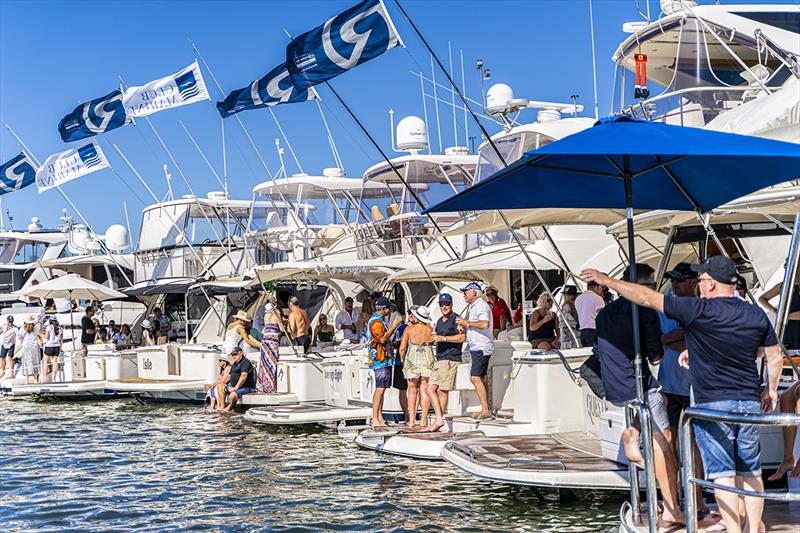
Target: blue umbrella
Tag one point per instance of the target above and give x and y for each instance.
(625, 163)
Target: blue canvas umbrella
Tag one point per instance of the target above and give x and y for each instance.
(625, 163)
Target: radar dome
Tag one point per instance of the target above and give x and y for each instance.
(117, 238)
(412, 134)
(333, 172)
(35, 225)
(497, 98)
(78, 238)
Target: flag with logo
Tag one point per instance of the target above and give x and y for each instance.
(182, 88)
(66, 166)
(16, 174)
(350, 38)
(93, 117)
(273, 89)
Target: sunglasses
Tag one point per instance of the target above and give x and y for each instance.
(445, 304)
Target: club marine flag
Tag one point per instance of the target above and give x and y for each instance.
(16, 174)
(273, 89)
(350, 38)
(93, 117)
(66, 166)
(182, 88)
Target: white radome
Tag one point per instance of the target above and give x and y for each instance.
(497, 98)
(117, 238)
(412, 134)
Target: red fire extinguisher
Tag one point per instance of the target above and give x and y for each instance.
(641, 90)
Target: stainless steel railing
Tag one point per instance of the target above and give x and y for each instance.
(687, 454)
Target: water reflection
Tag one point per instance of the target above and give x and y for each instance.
(118, 465)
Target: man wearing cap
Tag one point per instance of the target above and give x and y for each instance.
(9, 343)
(347, 319)
(724, 338)
(588, 304)
(241, 380)
(478, 329)
(381, 357)
(673, 378)
(448, 340)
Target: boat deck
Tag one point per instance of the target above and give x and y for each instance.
(557, 460)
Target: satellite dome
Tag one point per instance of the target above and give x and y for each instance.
(117, 238)
(412, 134)
(497, 98)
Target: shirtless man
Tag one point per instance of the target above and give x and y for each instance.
(299, 324)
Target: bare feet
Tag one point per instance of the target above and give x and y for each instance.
(788, 465)
(673, 518)
(436, 426)
(630, 440)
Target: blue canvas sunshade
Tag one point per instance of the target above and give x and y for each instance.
(670, 167)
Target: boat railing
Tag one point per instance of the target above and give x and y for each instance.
(687, 455)
(559, 465)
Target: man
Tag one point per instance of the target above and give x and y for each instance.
(501, 314)
(346, 321)
(448, 342)
(162, 324)
(615, 348)
(724, 338)
(478, 329)
(298, 325)
(241, 379)
(588, 304)
(88, 330)
(9, 344)
(674, 380)
(381, 357)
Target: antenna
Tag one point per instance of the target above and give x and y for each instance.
(391, 128)
(574, 98)
(483, 75)
(168, 176)
(280, 151)
(10, 219)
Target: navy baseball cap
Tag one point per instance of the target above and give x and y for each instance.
(720, 268)
(681, 272)
(471, 286)
(383, 302)
(445, 298)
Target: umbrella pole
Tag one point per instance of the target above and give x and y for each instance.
(644, 411)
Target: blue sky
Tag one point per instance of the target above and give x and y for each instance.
(54, 55)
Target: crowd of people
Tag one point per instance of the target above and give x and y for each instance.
(706, 338)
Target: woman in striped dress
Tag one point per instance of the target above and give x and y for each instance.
(267, 374)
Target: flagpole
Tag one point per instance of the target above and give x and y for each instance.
(330, 135)
(203, 155)
(69, 201)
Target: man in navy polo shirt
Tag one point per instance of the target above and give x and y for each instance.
(724, 338)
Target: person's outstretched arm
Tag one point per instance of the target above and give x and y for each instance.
(638, 294)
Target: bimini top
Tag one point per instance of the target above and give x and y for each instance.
(419, 169)
(322, 187)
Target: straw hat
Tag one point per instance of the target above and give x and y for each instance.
(30, 319)
(422, 314)
(268, 308)
(146, 324)
(241, 315)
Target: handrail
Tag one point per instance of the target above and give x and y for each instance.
(687, 452)
(469, 452)
(537, 462)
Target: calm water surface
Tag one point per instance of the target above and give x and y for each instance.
(119, 466)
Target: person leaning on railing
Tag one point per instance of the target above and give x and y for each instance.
(724, 337)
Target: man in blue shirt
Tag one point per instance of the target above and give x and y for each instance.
(724, 338)
(381, 356)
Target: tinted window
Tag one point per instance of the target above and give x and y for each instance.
(784, 21)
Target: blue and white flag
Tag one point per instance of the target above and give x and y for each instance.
(273, 89)
(65, 166)
(350, 38)
(16, 174)
(93, 117)
(182, 88)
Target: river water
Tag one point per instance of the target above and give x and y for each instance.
(120, 466)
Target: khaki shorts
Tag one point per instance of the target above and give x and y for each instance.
(444, 374)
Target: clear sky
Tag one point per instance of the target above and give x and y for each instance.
(54, 55)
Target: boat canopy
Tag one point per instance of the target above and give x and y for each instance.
(155, 287)
(422, 168)
(490, 221)
(322, 187)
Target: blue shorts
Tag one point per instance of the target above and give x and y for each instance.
(729, 449)
(390, 376)
(480, 364)
(241, 391)
(7, 352)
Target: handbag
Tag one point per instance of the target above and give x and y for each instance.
(591, 373)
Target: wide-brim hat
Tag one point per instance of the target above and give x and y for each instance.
(145, 323)
(268, 308)
(223, 357)
(422, 314)
(241, 315)
(30, 319)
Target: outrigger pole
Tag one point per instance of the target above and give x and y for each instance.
(488, 137)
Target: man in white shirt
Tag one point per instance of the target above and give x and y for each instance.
(478, 327)
(588, 304)
(346, 320)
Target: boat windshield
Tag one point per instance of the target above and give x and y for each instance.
(511, 146)
(18, 252)
(695, 72)
(211, 224)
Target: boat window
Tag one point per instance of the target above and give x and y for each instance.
(510, 147)
(266, 217)
(783, 20)
(158, 231)
(29, 252)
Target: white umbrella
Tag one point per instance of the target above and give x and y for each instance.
(71, 286)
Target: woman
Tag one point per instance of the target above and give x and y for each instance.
(147, 334)
(501, 314)
(324, 331)
(123, 337)
(791, 331)
(544, 332)
(363, 319)
(417, 356)
(211, 390)
(238, 331)
(267, 371)
(31, 350)
(53, 343)
(570, 317)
